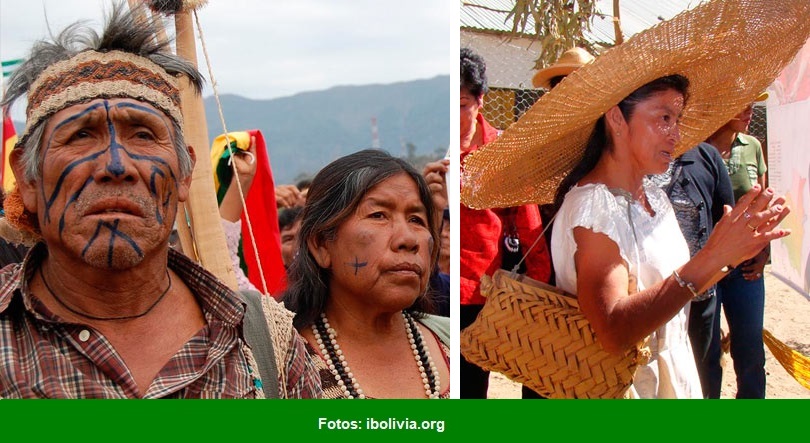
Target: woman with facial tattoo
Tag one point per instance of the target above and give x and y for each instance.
(367, 243)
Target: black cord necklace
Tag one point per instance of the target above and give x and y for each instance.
(93, 317)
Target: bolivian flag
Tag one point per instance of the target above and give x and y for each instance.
(260, 205)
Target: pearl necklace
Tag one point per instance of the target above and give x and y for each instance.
(343, 374)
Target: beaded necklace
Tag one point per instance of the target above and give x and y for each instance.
(325, 337)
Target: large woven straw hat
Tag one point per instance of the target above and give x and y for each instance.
(730, 50)
(569, 61)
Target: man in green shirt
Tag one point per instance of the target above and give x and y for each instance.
(742, 292)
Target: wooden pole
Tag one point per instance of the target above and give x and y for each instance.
(202, 208)
(138, 9)
(617, 23)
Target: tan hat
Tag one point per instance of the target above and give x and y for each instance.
(569, 61)
(706, 44)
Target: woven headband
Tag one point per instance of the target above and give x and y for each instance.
(91, 75)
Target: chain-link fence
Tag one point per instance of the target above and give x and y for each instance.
(759, 129)
(759, 125)
(504, 106)
(510, 66)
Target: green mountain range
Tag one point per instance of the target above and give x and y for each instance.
(306, 131)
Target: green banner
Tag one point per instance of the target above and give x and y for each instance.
(384, 421)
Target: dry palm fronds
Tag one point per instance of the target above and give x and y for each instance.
(794, 362)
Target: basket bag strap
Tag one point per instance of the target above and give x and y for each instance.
(257, 336)
(514, 271)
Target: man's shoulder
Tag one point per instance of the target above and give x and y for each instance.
(749, 140)
(701, 150)
(440, 326)
(704, 157)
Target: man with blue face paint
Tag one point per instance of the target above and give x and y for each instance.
(102, 307)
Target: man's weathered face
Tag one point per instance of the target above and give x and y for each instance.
(109, 183)
(289, 241)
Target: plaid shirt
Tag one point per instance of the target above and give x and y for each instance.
(43, 356)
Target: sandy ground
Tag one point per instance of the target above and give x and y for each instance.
(787, 317)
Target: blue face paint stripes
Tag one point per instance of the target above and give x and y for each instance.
(114, 234)
(153, 190)
(72, 200)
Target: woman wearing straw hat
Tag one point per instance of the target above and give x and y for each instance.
(358, 286)
(609, 125)
(616, 234)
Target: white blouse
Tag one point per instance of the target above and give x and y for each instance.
(660, 249)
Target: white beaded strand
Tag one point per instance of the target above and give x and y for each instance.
(414, 337)
(420, 353)
(333, 366)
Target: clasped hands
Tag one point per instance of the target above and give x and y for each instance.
(746, 229)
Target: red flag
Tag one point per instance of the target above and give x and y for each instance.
(9, 140)
(260, 205)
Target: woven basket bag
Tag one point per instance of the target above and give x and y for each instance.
(535, 334)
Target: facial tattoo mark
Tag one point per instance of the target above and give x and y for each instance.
(155, 170)
(114, 232)
(70, 201)
(357, 264)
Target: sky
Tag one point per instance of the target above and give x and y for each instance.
(263, 49)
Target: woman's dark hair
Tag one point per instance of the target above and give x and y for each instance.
(334, 195)
(599, 140)
(303, 184)
(473, 73)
